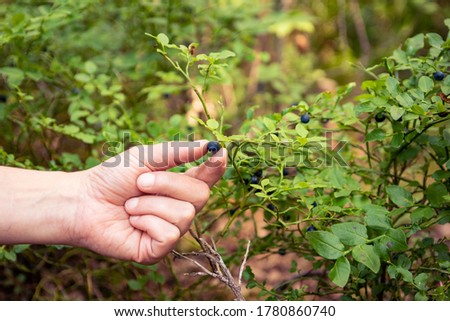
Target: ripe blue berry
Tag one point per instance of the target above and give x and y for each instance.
(213, 147)
(311, 228)
(3, 99)
(380, 117)
(258, 173)
(271, 207)
(305, 118)
(439, 75)
(314, 204)
(285, 171)
(282, 251)
(254, 179)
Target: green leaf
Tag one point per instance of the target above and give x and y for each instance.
(396, 112)
(415, 43)
(269, 123)
(416, 109)
(421, 281)
(407, 275)
(10, 255)
(426, 84)
(212, 123)
(224, 54)
(405, 100)
(248, 274)
(395, 240)
(435, 40)
(399, 196)
(377, 217)
(397, 140)
(366, 255)
(421, 297)
(421, 214)
(392, 85)
(435, 194)
(14, 76)
(336, 177)
(162, 39)
(136, 285)
(301, 130)
(326, 244)
(376, 134)
(446, 135)
(82, 77)
(85, 137)
(20, 248)
(340, 272)
(90, 67)
(265, 182)
(350, 233)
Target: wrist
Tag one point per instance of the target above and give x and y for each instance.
(38, 207)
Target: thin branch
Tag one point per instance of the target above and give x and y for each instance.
(205, 270)
(219, 269)
(244, 261)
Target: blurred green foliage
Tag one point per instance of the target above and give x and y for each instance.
(80, 81)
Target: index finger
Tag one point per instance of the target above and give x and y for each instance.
(166, 155)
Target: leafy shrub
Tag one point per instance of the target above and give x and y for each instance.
(349, 201)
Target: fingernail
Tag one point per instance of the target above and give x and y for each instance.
(131, 203)
(146, 180)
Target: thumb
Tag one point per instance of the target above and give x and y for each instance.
(166, 155)
(211, 170)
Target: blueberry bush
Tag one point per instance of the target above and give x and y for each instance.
(338, 179)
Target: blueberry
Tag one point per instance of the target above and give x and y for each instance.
(258, 173)
(213, 147)
(271, 207)
(285, 171)
(311, 228)
(254, 179)
(305, 118)
(232, 211)
(380, 117)
(314, 204)
(439, 75)
(282, 251)
(3, 99)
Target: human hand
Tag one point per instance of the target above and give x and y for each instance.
(132, 208)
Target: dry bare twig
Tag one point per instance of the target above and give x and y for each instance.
(219, 270)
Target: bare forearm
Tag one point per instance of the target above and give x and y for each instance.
(37, 207)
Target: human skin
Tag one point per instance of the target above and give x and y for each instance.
(129, 207)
